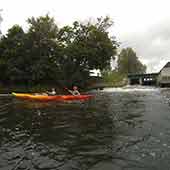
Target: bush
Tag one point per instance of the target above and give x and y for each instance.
(114, 78)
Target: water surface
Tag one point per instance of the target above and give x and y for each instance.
(121, 128)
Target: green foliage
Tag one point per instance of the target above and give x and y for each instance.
(12, 52)
(89, 45)
(1, 19)
(42, 48)
(128, 62)
(113, 78)
(86, 46)
(47, 53)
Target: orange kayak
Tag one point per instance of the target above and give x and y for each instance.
(41, 97)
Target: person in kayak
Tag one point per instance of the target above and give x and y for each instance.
(52, 92)
(74, 91)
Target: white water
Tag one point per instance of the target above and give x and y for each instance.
(131, 89)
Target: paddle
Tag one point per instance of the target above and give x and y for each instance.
(4, 95)
(68, 90)
(63, 87)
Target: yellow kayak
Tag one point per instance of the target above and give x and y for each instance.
(42, 97)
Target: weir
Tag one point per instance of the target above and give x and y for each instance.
(143, 79)
(162, 78)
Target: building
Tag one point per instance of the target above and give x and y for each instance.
(161, 79)
(95, 73)
(164, 76)
(149, 79)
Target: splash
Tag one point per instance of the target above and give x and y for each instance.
(131, 89)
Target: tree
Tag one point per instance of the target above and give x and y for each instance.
(1, 19)
(48, 54)
(92, 46)
(30, 57)
(128, 62)
(42, 48)
(86, 46)
(12, 54)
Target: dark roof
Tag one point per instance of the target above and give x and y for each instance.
(167, 65)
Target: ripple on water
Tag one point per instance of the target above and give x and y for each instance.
(115, 129)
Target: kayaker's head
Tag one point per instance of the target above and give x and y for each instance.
(75, 88)
(53, 89)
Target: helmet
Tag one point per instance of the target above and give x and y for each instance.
(75, 87)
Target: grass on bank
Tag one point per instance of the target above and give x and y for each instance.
(114, 79)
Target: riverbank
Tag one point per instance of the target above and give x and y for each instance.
(30, 89)
(95, 83)
(5, 89)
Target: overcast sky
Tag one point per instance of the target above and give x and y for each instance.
(143, 25)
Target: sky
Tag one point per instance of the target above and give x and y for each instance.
(143, 25)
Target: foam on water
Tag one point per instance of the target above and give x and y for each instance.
(131, 89)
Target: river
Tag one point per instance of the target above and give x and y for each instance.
(121, 128)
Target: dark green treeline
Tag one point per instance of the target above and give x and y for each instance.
(47, 54)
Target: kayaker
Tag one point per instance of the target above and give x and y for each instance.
(53, 92)
(74, 91)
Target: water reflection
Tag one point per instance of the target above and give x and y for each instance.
(115, 130)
